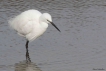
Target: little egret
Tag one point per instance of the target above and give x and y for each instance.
(31, 24)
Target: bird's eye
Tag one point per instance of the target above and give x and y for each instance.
(48, 20)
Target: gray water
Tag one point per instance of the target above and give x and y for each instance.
(81, 45)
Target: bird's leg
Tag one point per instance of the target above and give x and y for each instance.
(27, 44)
(28, 57)
(27, 49)
(27, 52)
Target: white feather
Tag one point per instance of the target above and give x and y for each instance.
(28, 24)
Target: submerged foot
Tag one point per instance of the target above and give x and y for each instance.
(28, 57)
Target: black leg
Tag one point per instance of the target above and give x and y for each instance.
(27, 52)
(27, 44)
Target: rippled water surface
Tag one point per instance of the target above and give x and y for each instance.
(81, 45)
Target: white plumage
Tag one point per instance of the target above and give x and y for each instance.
(31, 24)
(28, 25)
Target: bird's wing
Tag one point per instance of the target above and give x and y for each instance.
(25, 22)
(26, 29)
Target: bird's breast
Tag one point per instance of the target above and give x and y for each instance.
(36, 32)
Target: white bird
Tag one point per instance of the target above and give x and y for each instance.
(31, 24)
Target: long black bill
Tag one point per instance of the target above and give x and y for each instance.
(54, 26)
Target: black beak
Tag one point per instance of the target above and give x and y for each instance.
(54, 25)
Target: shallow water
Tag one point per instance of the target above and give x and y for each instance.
(81, 45)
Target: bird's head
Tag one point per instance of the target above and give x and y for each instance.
(46, 17)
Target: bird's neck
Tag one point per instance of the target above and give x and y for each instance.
(44, 25)
(42, 22)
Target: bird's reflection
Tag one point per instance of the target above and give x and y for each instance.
(24, 66)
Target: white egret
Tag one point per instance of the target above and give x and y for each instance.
(31, 24)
